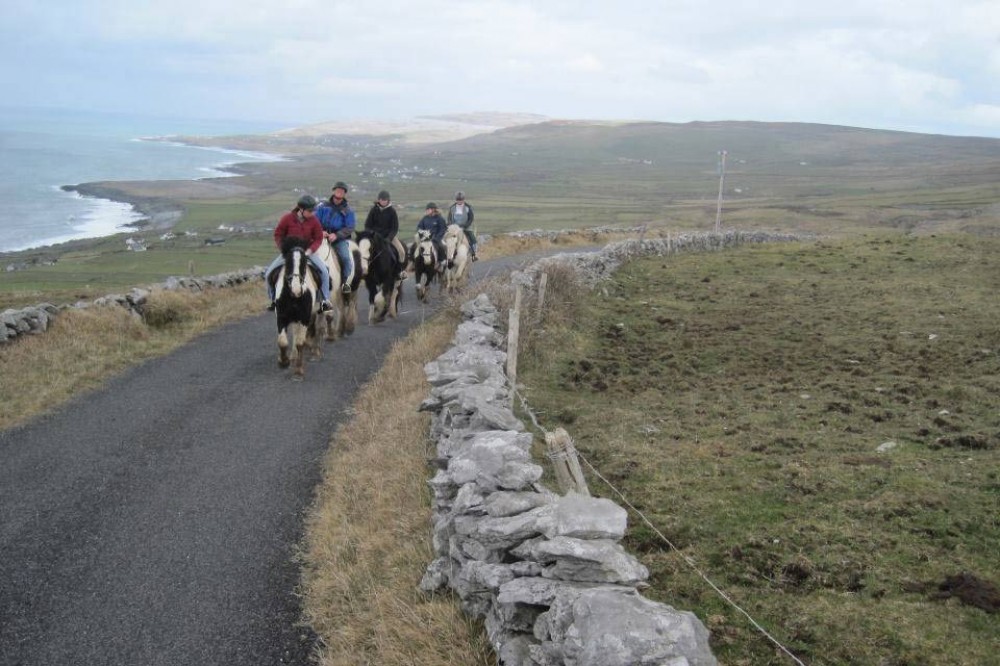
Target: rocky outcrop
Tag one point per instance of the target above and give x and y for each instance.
(545, 572)
(36, 319)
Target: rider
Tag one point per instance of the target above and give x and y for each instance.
(435, 224)
(460, 213)
(383, 220)
(337, 219)
(300, 222)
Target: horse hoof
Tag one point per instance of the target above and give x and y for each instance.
(284, 364)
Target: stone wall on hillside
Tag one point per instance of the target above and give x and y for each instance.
(545, 572)
(593, 267)
(35, 319)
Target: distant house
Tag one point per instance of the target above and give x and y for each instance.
(135, 245)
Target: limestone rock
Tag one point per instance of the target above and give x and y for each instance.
(602, 627)
(595, 560)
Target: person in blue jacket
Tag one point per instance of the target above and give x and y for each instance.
(433, 222)
(337, 219)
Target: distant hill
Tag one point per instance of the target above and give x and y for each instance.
(423, 129)
(525, 171)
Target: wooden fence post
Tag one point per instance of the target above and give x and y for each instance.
(543, 281)
(562, 453)
(513, 334)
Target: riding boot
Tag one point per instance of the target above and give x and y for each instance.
(272, 306)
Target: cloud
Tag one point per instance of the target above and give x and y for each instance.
(914, 64)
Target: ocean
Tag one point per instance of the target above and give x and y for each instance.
(43, 149)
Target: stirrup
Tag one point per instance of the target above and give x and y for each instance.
(272, 306)
(325, 306)
(346, 288)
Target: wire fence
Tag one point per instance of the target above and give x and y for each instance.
(687, 560)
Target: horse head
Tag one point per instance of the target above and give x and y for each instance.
(454, 237)
(296, 264)
(365, 250)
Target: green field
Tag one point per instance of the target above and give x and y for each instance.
(740, 400)
(557, 175)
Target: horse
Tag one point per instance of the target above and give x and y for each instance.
(426, 266)
(382, 270)
(297, 299)
(456, 245)
(343, 318)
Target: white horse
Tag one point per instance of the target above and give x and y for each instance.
(343, 318)
(457, 255)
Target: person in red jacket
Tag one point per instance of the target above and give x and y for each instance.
(300, 222)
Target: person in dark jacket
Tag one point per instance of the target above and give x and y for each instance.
(460, 213)
(435, 224)
(338, 221)
(382, 219)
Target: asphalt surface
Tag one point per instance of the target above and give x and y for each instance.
(155, 521)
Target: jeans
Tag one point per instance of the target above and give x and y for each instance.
(324, 280)
(343, 250)
(472, 238)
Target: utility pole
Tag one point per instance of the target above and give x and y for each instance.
(722, 180)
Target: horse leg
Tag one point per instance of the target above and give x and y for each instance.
(350, 318)
(395, 298)
(312, 339)
(283, 358)
(372, 296)
(332, 319)
(299, 336)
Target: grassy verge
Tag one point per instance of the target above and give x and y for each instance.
(740, 399)
(84, 348)
(368, 534)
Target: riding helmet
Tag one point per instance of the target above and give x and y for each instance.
(306, 202)
(384, 194)
(431, 205)
(460, 196)
(339, 185)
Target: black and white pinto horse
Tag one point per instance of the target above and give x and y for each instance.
(297, 297)
(456, 245)
(343, 318)
(426, 266)
(381, 268)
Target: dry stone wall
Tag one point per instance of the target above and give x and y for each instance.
(35, 319)
(545, 572)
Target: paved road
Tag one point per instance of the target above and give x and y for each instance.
(155, 521)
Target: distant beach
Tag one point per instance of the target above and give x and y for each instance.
(54, 164)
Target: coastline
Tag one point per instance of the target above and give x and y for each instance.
(158, 213)
(122, 200)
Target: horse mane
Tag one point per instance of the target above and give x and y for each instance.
(291, 242)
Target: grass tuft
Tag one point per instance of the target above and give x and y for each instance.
(368, 533)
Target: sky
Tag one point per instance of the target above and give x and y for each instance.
(929, 66)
